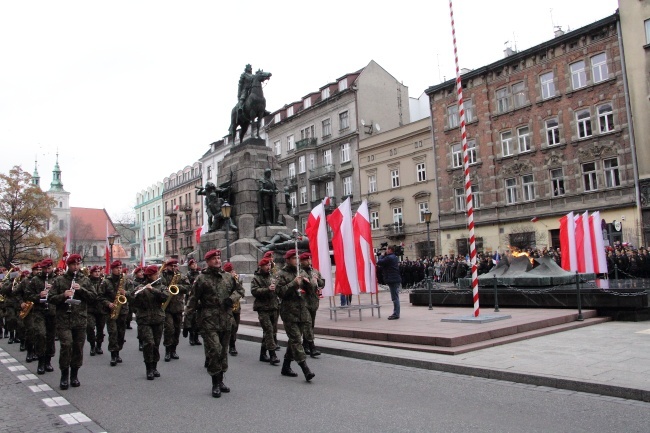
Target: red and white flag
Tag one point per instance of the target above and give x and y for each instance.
(107, 252)
(568, 243)
(598, 244)
(366, 269)
(581, 243)
(66, 250)
(316, 231)
(588, 250)
(340, 221)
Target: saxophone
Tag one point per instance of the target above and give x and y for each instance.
(28, 304)
(119, 299)
(173, 289)
(235, 305)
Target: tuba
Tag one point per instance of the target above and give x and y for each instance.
(173, 289)
(119, 300)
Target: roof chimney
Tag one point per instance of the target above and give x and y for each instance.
(558, 31)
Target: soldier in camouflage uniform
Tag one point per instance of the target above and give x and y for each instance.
(236, 309)
(148, 299)
(113, 285)
(214, 293)
(189, 322)
(174, 310)
(138, 280)
(266, 305)
(6, 289)
(41, 326)
(96, 315)
(294, 314)
(312, 286)
(70, 293)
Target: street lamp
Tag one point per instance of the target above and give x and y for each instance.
(111, 242)
(427, 219)
(225, 212)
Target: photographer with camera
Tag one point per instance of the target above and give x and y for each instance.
(389, 265)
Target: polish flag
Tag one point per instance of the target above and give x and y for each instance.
(597, 243)
(579, 242)
(316, 231)
(340, 221)
(587, 257)
(568, 243)
(107, 252)
(366, 269)
(198, 235)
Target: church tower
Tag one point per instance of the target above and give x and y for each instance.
(61, 211)
(36, 179)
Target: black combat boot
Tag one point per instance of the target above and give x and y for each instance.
(30, 356)
(188, 332)
(92, 349)
(216, 391)
(197, 342)
(286, 369)
(222, 386)
(48, 365)
(172, 352)
(306, 371)
(305, 347)
(113, 359)
(65, 377)
(313, 352)
(117, 357)
(168, 355)
(273, 359)
(233, 349)
(41, 365)
(149, 371)
(12, 339)
(98, 349)
(74, 381)
(154, 368)
(263, 357)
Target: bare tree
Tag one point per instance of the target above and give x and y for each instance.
(81, 237)
(523, 237)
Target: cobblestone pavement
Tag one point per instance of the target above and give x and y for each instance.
(27, 404)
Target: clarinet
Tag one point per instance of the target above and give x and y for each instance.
(70, 301)
(44, 300)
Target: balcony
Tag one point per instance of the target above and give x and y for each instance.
(188, 230)
(171, 233)
(323, 172)
(306, 142)
(395, 231)
(292, 181)
(186, 208)
(171, 212)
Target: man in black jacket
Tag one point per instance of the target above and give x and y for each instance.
(389, 265)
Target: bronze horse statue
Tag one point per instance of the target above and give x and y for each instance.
(254, 109)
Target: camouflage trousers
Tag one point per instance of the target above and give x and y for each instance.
(11, 319)
(294, 330)
(235, 328)
(43, 332)
(308, 329)
(71, 346)
(116, 330)
(172, 329)
(269, 323)
(95, 323)
(215, 344)
(150, 336)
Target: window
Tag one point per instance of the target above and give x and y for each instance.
(94, 250)
(308, 132)
(306, 103)
(292, 170)
(374, 220)
(325, 93)
(329, 189)
(528, 187)
(583, 120)
(292, 199)
(457, 155)
(599, 69)
(469, 110)
(589, 176)
(476, 197)
(290, 111)
(552, 132)
(312, 161)
(394, 178)
(523, 137)
(471, 151)
(327, 127)
(347, 185)
(459, 199)
(422, 208)
(278, 147)
(452, 116)
(503, 100)
(209, 175)
(421, 172)
(605, 118)
(578, 75)
(327, 157)
(548, 85)
(511, 191)
(519, 94)
(647, 31)
(278, 117)
(291, 144)
(507, 148)
(557, 182)
(301, 164)
(612, 177)
(345, 152)
(372, 183)
(313, 191)
(344, 122)
(397, 216)
(303, 195)
(343, 84)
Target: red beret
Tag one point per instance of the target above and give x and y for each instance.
(268, 254)
(305, 256)
(151, 270)
(25, 273)
(289, 254)
(74, 258)
(96, 268)
(47, 262)
(264, 262)
(227, 267)
(37, 265)
(171, 262)
(116, 264)
(191, 262)
(212, 253)
(138, 269)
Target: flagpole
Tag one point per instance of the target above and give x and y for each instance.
(468, 182)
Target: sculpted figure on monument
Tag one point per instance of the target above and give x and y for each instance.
(267, 204)
(251, 104)
(215, 196)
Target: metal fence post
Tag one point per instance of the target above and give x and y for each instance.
(496, 295)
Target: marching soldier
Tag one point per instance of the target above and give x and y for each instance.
(294, 313)
(6, 308)
(96, 320)
(138, 280)
(266, 305)
(70, 293)
(236, 309)
(109, 290)
(40, 322)
(174, 311)
(274, 272)
(216, 293)
(313, 285)
(148, 299)
(189, 322)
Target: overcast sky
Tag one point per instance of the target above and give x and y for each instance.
(130, 92)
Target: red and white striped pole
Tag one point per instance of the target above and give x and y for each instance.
(468, 182)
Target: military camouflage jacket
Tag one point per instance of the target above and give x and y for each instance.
(177, 303)
(294, 303)
(14, 295)
(265, 299)
(191, 275)
(67, 315)
(108, 291)
(95, 307)
(33, 292)
(316, 282)
(148, 303)
(208, 299)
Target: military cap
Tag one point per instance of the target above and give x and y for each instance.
(212, 253)
(290, 254)
(227, 267)
(73, 259)
(305, 256)
(116, 264)
(151, 270)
